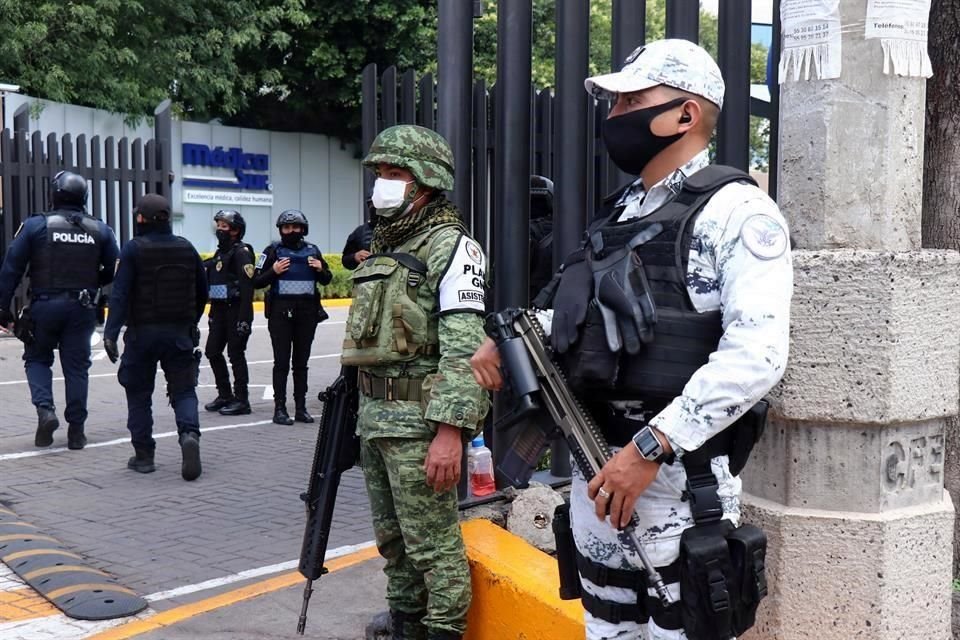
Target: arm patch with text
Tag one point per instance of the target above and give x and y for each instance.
(463, 285)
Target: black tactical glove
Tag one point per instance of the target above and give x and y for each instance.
(195, 335)
(6, 318)
(110, 346)
(571, 302)
(243, 329)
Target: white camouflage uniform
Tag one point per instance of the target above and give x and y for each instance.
(740, 264)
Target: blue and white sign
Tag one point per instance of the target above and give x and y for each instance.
(249, 174)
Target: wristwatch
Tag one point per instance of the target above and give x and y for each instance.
(650, 447)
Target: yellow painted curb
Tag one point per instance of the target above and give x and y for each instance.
(181, 613)
(515, 589)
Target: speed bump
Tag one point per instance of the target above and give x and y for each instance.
(61, 576)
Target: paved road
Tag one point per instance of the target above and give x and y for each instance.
(156, 533)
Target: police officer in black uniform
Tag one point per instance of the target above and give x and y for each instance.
(71, 255)
(541, 233)
(357, 247)
(292, 268)
(230, 277)
(160, 292)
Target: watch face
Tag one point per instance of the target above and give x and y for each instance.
(647, 444)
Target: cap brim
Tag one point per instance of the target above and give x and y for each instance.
(609, 85)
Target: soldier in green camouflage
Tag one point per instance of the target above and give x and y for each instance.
(415, 320)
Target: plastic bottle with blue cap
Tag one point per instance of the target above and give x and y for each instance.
(480, 468)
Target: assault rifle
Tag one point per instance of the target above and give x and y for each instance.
(336, 452)
(538, 386)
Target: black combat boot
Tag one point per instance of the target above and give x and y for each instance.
(142, 462)
(280, 415)
(220, 402)
(407, 626)
(239, 406)
(301, 414)
(443, 634)
(47, 423)
(76, 439)
(190, 449)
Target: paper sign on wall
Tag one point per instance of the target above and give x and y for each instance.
(811, 39)
(901, 26)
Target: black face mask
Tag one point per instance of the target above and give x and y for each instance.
(291, 240)
(223, 237)
(630, 142)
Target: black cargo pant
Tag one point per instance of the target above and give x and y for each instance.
(292, 324)
(223, 333)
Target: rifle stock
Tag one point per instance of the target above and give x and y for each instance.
(539, 387)
(336, 452)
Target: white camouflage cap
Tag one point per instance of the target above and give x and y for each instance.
(674, 63)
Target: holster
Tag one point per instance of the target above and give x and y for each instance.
(591, 365)
(566, 553)
(24, 327)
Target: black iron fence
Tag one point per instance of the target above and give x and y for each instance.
(502, 134)
(119, 172)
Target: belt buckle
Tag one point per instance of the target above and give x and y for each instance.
(388, 388)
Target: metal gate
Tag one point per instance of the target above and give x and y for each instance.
(119, 172)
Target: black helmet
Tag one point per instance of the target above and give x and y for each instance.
(68, 188)
(232, 218)
(153, 207)
(541, 196)
(293, 216)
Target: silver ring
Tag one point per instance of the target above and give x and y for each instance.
(603, 493)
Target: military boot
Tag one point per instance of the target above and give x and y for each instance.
(239, 406)
(280, 415)
(142, 462)
(301, 414)
(190, 449)
(220, 402)
(47, 423)
(76, 439)
(407, 626)
(443, 634)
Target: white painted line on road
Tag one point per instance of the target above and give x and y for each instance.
(99, 355)
(109, 443)
(203, 366)
(250, 573)
(268, 392)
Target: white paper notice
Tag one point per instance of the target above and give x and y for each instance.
(901, 26)
(811, 39)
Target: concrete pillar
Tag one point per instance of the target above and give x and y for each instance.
(848, 479)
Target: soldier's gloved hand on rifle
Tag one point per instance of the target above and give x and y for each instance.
(6, 318)
(571, 303)
(485, 363)
(110, 346)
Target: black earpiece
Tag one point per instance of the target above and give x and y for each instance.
(685, 117)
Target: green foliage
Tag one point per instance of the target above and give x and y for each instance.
(340, 287)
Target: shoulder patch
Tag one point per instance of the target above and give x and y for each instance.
(764, 237)
(463, 285)
(248, 269)
(261, 260)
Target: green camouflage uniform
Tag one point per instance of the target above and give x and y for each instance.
(417, 530)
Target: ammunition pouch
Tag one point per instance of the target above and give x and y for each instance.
(566, 553)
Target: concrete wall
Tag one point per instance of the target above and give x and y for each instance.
(317, 174)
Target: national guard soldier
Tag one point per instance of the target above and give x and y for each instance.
(292, 268)
(71, 255)
(673, 317)
(160, 292)
(413, 325)
(230, 278)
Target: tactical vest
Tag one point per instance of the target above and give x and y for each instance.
(221, 277)
(683, 337)
(300, 280)
(70, 258)
(165, 289)
(392, 319)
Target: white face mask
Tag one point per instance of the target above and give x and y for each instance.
(388, 194)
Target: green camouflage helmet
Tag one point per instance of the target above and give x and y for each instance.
(421, 151)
